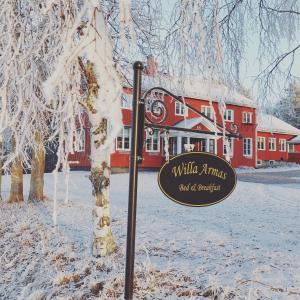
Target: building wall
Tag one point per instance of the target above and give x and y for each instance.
(277, 155)
(120, 158)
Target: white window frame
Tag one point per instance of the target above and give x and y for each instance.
(208, 111)
(226, 118)
(151, 137)
(128, 98)
(247, 117)
(123, 139)
(81, 139)
(289, 148)
(282, 144)
(251, 146)
(272, 143)
(231, 146)
(180, 109)
(261, 139)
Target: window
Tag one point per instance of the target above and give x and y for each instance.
(126, 101)
(179, 109)
(152, 141)
(261, 143)
(81, 140)
(282, 145)
(208, 111)
(291, 148)
(247, 149)
(211, 146)
(228, 116)
(173, 145)
(272, 144)
(230, 143)
(247, 117)
(123, 140)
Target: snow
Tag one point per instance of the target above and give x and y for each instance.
(246, 247)
(191, 123)
(271, 123)
(194, 87)
(278, 167)
(295, 140)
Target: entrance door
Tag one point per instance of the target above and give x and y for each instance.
(200, 144)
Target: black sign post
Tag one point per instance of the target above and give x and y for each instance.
(217, 171)
(137, 140)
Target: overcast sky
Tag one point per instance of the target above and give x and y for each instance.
(251, 67)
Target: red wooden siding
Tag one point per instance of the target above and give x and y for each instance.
(267, 154)
(120, 158)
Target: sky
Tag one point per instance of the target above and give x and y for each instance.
(251, 66)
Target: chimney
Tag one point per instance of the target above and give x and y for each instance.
(152, 66)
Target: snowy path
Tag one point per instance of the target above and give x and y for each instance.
(246, 247)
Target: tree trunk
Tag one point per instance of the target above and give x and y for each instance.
(16, 187)
(37, 170)
(103, 241)
(1, 149)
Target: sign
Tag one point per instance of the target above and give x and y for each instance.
(197, 179)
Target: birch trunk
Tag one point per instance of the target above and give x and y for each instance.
(16, 187)
(103, 240)
(37, 170)
(103, 243)
(1, 149)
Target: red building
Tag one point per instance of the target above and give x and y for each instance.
(276, 140)
(262, 140)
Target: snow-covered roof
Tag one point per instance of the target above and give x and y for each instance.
(295, 140)
(195, 87)
(190, 123)
(272, 124)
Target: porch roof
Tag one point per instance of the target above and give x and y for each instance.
(191, 123)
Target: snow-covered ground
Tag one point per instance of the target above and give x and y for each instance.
(246, 247)
(282, 167)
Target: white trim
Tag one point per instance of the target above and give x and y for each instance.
(123, 139)
(284, 143)
(259, 162)
(251, 146)
(292, 147)
(182, 109)
(275, 131)
(206, 108)
(226, 115)
(149, 136)
(245, 119)
(264, 143)
(269, 140)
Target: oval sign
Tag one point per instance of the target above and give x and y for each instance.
(197, 179)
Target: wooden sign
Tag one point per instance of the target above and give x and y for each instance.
(197, 179)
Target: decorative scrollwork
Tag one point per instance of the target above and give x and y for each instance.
(150, 131)
(155, 109)
(234, 128)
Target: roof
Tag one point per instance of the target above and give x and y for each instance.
(273, 124)
(195, 87)
(190, 123)
(295, 140)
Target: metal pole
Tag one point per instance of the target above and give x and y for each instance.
(137, 139)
